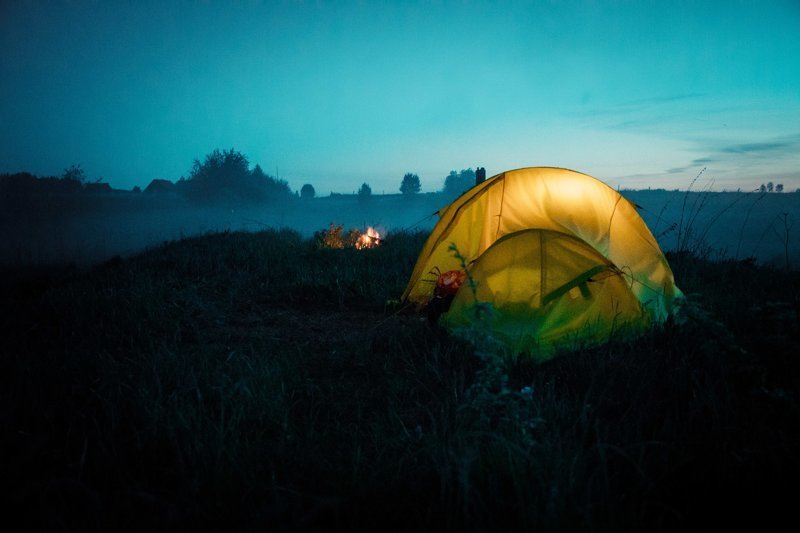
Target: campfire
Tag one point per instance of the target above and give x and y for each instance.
(335, 237)
(370, 239)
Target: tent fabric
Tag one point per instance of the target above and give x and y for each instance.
(551, 200)
(555, 199)
(544, 287)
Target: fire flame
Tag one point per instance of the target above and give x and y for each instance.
(370, 239)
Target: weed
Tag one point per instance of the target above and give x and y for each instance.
(783, 236)
(744, 223)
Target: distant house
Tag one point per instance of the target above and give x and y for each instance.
(102, 188)
(160, 186)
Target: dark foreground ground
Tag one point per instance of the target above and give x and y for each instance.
(255, 382)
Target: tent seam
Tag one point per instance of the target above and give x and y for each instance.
(542, 269)
(500, 214)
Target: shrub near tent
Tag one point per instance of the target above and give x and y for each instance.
(558, 255)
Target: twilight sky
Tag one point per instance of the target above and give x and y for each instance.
(639, 94)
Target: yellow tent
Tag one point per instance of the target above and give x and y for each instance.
(589, 267)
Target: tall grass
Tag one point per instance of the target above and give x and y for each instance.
(255, 381)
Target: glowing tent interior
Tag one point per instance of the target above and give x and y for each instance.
(558, 255)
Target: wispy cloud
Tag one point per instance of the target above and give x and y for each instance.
(653, 106)
(762, 147)
(674, 117)
(660, 100)
(786, 145)
(742, 154)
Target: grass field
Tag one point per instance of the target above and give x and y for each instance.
(253, 381)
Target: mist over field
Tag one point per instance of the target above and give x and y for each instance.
(88, 230)
(724, 225)
(92, 228)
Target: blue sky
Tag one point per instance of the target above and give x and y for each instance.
(639, 94)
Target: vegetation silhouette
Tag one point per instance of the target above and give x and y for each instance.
(225, 177)
(27, 185)
(457, 182)
(307, 191)
(410, 184)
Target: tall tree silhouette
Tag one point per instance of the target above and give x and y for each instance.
(410, 184)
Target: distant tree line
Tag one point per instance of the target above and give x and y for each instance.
(455, 183)
(224, 176)
(770, 187)
(73, 180)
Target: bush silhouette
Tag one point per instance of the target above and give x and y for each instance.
(307, 191)
(226, 175)
(457, 182)
(410, 184)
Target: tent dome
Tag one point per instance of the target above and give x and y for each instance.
(583, 217)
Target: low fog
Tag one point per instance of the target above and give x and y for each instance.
(60, 230)
(60, 221)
